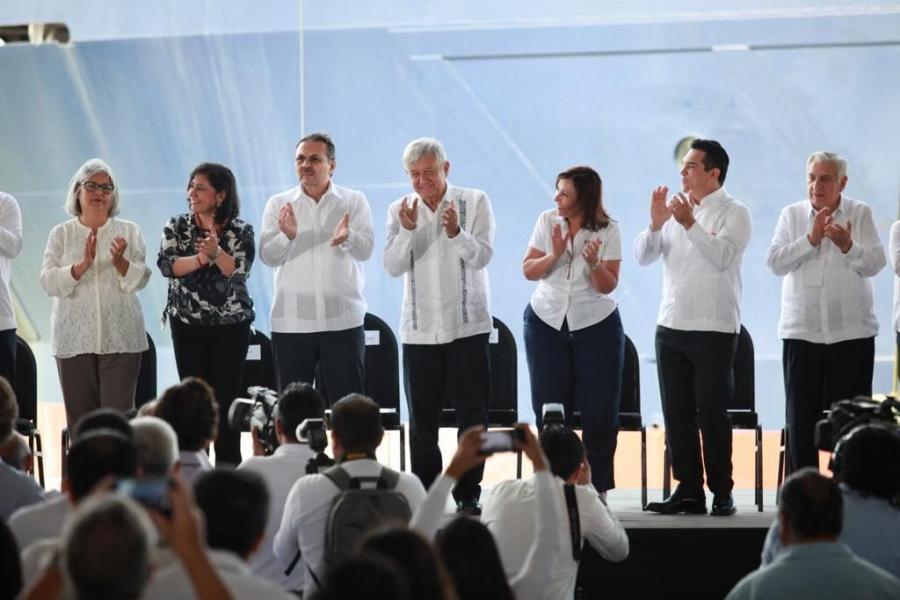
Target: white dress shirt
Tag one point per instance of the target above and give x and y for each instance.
(99, 313)
(509, 512)
(826, 295)
(174, 582)
(40, 521)
(895, 263)
(280, 471)
(532, 579)
(318, 287)
(10, 246)
(306, 515)
(192, 465)
(701, 288)
(445, 289)
(17, 490)
(566, 292)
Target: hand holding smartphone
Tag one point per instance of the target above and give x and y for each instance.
(502, 440)
(151, 493)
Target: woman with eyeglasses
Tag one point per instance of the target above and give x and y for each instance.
(574, 340)
(207, 254)
(93, 268)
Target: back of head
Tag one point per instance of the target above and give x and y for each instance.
(473, 561)
(190, 408)
(564, 450)
(107, 545)
(9, 410)
(715, 157)
(96, 454)
(101, 418)
(812, 506)
(236, 506)
(157, 446)
(356, 422)
(297, 402)
(415, 557)
(10, 567)
(16, 453)
(867, 459)
(368, 577)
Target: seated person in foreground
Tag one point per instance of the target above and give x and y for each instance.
(814, 564)
(17, 488)
(190, 408)
(509, 514)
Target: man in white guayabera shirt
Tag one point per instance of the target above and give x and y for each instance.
(10, 245)
(827, 248)
(699, 321)
(317, 236)
(440, 239)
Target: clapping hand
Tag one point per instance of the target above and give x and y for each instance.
(90, 253)
(659, 210)
(341, 231)
(450, 220)
(409, 214)
(468, 453)
(820, 222)
(840, 235)
(209, 246)
(558, 241)
(287, 221)
(591, 251)
(682, 210)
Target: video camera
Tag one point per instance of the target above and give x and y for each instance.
(848, 414)
(553, 414)
(259, 410)
(312, 431)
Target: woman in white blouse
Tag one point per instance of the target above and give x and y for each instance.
(574, 340)
(93, 268)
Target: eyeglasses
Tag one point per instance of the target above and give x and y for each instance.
(105, 188)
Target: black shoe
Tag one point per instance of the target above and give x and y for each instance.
(680, 502)
(469, 507)
(723, 506)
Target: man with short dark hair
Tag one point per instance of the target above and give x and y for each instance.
(814, 564)
(356, 433)
(867, 469)
(298, 402)
(509, 514)
(190, 408)
(17, 488)
(699, 321)
(317, 237)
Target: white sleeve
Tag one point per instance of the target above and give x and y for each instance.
(427, 518)
(56, 278)
(648, 246)
(534, 578)
(274, 245)
(10, 227)
(362, 237)
(138, 273)
(727, 246)
(399, 244)
(787, 252)
(600, 527)
(475, 245)
(866, 255)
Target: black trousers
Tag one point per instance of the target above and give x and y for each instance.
(216, 354)
(339, 357)
(815, 377)
(8, 355)
(459, 371)
(696, 384)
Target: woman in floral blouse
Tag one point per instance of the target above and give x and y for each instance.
(93, 268)
(207, 254)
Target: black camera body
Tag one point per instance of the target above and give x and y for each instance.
(553, 414)
(313, 432)
(845, 415)
(260, 411)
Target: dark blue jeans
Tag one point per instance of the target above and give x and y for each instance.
(582, 370)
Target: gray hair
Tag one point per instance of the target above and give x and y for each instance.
(107, 546)
(157, 446)
(85, 172)
(18, 456)
(9, 410)
(420, 148)
(831, 157)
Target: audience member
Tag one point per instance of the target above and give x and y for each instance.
(10, 569)
(235, 507)
(46, 520)
(17, 488)
(467, 555)
(814, 564)
(355, 435)
(509, 514)
(298, 402)
(365, 577)
(190, 408)
(419, 564)
(157, 447)
(470, 553)
(867, 467)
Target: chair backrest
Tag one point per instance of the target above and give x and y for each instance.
(25, 384)
(744, 374)
(503, 402)
(259, 368)
(146, 383)
(382, 363)
(631, 380)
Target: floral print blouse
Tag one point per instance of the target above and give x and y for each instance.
(206, 296)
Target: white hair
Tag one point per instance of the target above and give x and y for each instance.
(157, 445)
(830, 157)
(420, 148)
(85, 172)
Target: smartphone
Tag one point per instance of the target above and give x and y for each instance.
(502, 440)
(152, 493)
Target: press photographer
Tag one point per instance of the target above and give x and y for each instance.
(274, 422)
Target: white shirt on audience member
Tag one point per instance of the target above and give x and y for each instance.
(701, 289)
(509, 514)
(826, 296)
(280, 471)
(192, 465)
(40, 521)
(306, 515)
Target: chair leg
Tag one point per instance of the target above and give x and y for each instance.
(39, 455)
(667, 471)
(402, 447)
(759, 469)
(643, 467)
(782, 460)
(64, 450)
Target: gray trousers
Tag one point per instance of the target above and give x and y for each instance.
(91, 381)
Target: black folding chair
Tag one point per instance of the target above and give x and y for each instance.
(25, 387)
